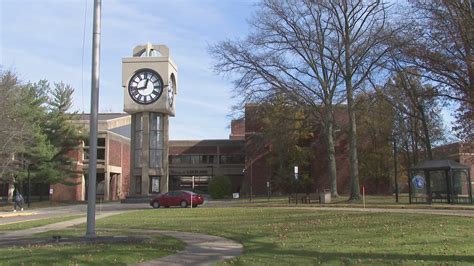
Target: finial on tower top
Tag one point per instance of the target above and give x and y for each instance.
(149, 49)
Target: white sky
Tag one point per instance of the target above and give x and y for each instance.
(43, 39)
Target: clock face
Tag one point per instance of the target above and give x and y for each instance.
(145, 86)
(171, 90)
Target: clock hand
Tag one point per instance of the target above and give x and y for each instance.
(144, 86)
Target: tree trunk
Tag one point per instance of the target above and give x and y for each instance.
(331, 152)
(426, 131)
(354, 164)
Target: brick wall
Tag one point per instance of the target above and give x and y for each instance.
(67, 192)
(237, 128)
(115, 155)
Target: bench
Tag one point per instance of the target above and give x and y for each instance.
(310, 198)
(304, 198)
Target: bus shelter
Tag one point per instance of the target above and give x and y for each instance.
(440, 181)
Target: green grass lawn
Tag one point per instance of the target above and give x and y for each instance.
(305, 236)
(91, 254)
(36, 223)
(280, 236)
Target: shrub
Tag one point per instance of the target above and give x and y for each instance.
(220, 187)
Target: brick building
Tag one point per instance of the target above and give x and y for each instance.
(113, 161)
(243, 157)
(462, 153)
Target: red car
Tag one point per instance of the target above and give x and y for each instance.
(177, 198)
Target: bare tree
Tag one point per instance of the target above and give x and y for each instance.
(417, 102)
(360, 34)
(441, 45)
(289, 52)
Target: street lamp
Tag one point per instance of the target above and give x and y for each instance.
(29, 185)
(395, 170)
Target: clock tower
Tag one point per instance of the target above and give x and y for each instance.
(149, 79)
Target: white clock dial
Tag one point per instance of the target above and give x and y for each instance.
(145, 86)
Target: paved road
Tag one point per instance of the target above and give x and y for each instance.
(80, 209)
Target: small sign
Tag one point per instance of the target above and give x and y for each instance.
(155, 184)
(268, 184)
(235, 195)
(419, 181)
(50, 191)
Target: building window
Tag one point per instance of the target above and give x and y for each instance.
(137, 151)
(192, 159)
(232, 159)
(100, 150)
(156, 141)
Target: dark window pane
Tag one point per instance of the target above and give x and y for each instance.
(100, 154)
(101, 142)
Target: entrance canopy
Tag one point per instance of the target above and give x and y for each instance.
(443, 181)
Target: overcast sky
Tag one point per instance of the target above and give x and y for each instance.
(43, 39)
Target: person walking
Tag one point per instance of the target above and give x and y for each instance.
(18, 201)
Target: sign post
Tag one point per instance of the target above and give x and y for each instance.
(268, 190)
(192, 190)
(363, 195)
(296, 184)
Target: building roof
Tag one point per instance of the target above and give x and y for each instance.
(206, 142)
(103, 116)
(125, 131)
(439, 165)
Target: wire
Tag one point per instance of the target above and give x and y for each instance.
(83, 48)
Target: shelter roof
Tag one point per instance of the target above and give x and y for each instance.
(438, 165)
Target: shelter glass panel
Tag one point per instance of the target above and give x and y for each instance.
(461, 186)
(439, 186)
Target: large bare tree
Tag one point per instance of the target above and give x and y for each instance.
(288, 52)
(360, 33)
(441, 45)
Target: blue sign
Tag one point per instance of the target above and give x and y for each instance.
(419, 182)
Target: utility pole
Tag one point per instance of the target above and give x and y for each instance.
(93, 121)
(395, 170)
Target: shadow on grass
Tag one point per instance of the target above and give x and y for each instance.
(271, 250)
(89, 253)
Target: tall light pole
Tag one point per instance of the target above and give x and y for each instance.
(93, 121)
(395, 170)
(251, 180)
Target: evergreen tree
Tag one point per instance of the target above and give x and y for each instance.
(62, 133)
